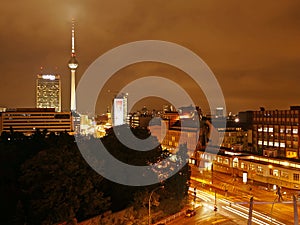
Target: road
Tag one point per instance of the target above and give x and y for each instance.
(233, 204)
(238, 196)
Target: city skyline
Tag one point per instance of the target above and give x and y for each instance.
(254, 54)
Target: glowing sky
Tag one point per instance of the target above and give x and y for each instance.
(251, 46)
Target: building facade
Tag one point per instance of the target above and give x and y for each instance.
(235, 138)
(276, 132)
(120, 111)
(28, 120)
(48, 91)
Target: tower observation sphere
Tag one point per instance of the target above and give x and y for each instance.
(73, 63)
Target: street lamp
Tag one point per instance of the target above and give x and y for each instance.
(149, 205)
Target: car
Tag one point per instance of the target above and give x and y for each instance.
(190, 213)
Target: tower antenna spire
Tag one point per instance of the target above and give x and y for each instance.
(73, 36)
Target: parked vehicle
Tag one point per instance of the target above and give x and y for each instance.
(190, 213)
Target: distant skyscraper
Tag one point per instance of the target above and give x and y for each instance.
(48, 91)
(220, 112)
(73, 64)
(120, 110)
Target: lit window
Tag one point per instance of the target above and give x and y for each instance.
(260, 169)
(282, 145)
(295, 131)
(259, 142)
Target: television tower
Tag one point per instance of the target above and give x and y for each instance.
(73, 64)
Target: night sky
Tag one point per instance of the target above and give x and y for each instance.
(252, 46)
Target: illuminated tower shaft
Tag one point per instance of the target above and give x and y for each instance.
(73, 91)
(73, 64)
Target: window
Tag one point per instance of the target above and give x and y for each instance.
(226, 161)
(260, 169)
(295, 138)
(284, 175)
(296, 176)
(295, 144)
(295, 131)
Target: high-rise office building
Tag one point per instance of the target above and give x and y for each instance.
(120, 111)
(219, 112)
(276, 132)
(48, 91)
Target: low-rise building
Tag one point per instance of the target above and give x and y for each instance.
(28, 120)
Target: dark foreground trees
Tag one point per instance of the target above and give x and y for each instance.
(45, 179)
(58, 185)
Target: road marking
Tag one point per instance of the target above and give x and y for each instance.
(244, 215)
(261, 203)
(219, 221)
(241, 208)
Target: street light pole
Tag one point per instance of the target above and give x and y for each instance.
(212, 173)
(149, 203)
